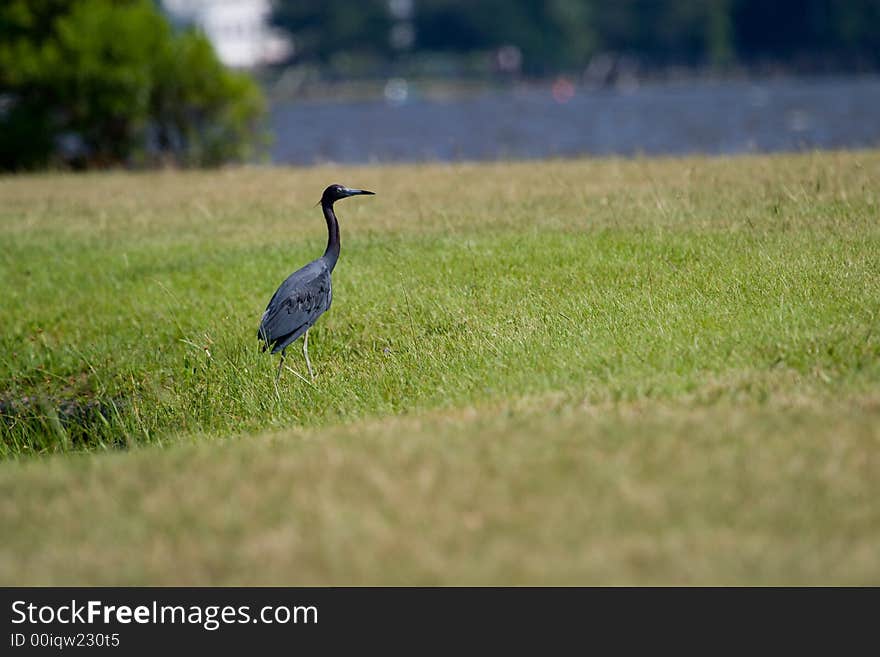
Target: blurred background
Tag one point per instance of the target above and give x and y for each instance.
(98, 83)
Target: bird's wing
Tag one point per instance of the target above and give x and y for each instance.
(297, 303)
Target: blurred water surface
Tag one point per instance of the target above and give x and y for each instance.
(712, 118)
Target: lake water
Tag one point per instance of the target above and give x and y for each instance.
(720, 118)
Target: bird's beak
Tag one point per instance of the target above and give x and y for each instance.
(354, 192)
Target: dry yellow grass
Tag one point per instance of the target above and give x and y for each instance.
(549, 492)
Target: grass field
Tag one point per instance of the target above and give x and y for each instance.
(646, 371)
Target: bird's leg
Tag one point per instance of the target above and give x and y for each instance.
(280, 365)
(306, 354)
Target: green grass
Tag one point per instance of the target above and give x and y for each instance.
(661, 371)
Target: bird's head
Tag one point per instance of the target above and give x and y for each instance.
(335, 192)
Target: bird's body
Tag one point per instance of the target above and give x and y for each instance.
(306, 294)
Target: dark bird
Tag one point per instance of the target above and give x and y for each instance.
(306, 294)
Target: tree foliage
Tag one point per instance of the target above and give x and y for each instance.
(108, 82)
(324, 28)
(555, 34)
(550, 33)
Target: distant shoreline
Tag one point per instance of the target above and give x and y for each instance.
(295, 84)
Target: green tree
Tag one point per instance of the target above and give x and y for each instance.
(201, 113)
(108, 82)
(324, 28)
(551, 34)
(563, 34)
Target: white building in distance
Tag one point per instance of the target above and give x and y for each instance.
(238, 29)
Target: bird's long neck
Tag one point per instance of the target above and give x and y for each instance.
(331, 255)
